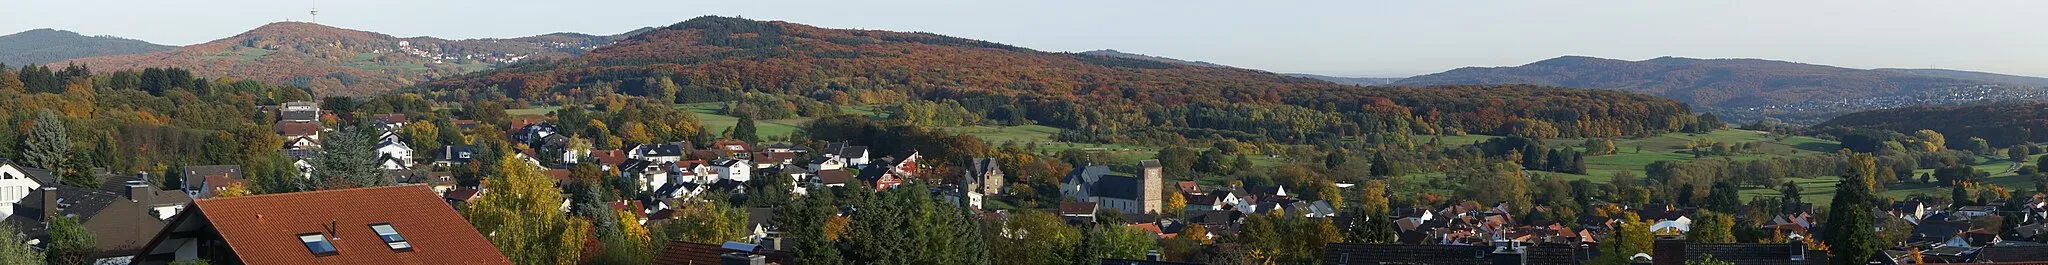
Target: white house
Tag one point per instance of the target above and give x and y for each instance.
(16, 182)
(733, 169)
(393, 154)
(669, 152)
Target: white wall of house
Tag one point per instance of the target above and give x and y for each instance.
(14, 187)
(740, 172)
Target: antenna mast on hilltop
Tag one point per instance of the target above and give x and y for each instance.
(316, 11)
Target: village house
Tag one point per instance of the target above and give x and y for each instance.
(201, 182)
(382, 225)
(121, 213)
(17, 182)
(1141, 194)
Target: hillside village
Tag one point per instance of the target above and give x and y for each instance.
(138, 223)
(735, 141)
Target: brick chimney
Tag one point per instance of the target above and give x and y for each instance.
(49, 203)
(140, 192)
(1668, 250)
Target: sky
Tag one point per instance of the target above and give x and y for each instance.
(1368, 38)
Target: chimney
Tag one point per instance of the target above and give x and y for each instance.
(771, 243)
(1507, 252)
(49, 203)
(737, 258)
(1798, 250)
(139, 191)
(1668, 250)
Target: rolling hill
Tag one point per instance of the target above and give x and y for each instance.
(1744, 89)
(2001, 124)
(338, 61)
(50, 45)
(1977, 76)
(1727, 83)
(1115, 53)
(1097, 98)
(1358, 81)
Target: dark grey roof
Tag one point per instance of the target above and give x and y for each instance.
(39, 175)
(1344, 253)
(453, 152)
(1936, 230)
(668, 149)
(985, 165)
(2012, 254)
(1765, 254)
(635, 165)
(299, 115)
(1118, 186)
(1141, 262)
(196, 175)
(1149, 163)
(759, 217)
(854, 152)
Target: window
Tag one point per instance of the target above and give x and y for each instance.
(318, 244)
(391, 237)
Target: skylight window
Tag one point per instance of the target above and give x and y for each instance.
(318, 244)
(391, 237)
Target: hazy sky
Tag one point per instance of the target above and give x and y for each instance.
(1347, 37)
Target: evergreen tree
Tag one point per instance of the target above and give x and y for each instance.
(48, 145)
(1334, 159)
(1723, 197)
(803, 227)
(1381, 167)
(745, 130)
(348, 159)
(1851, 234)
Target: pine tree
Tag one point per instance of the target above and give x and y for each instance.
(1851, 234)
(347, 159)
(745, 130)
(47, 145)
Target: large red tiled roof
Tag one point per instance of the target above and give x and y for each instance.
(264, 229)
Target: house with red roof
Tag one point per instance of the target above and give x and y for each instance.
(381, 225)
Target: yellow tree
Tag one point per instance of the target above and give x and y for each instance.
(522, 215)
(233, 190)
(1174, 203)
(1374, 198)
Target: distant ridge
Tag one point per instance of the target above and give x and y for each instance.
(1977, 76)
(339, 61)
(1118, 54)
(1749, 88)
(1357, 81)
(52, 45)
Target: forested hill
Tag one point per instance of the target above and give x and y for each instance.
(1119, 54)
(1734, 83)
(1999, 124)
(50, 45)
(1097, 98)
(339, 61)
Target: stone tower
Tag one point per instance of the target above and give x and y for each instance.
(1154, 196)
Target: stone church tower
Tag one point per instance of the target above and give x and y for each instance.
(1154, 196)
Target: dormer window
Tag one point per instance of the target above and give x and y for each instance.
(391, 237)
(318, 244)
